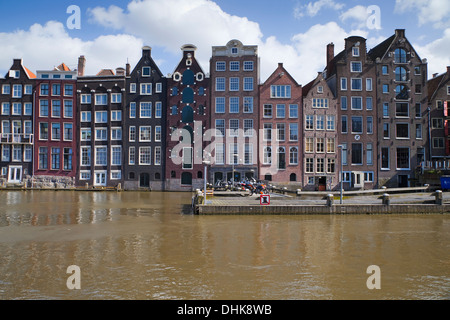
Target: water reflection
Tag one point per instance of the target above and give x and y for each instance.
(142, 246)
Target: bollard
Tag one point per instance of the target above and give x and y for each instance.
(386, 199)
(438, 197)
(330, 200)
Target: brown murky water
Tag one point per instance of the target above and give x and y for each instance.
(149, 246)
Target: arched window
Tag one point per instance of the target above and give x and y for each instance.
(157, 176)
(293, 177)
(173, 174)
(174, 110)
(201, 91)
(187, 115)
(268, 177)
(188, 95)
(199, 175)
(188, 78)
(401, 74)
(174, 91)
(400, 56)
(401, 92)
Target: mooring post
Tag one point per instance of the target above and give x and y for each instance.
(330, 200)
(438, 197)
(386, 199)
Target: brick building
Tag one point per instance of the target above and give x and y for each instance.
(16, 117)
(320, 143)
(402, 110)
(188, 117)
(101, 104)
(281, 134)
(144, 126)
(439, 103)
(55, 120)
(352, 76)
(234, 77)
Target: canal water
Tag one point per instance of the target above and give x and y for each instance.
(134, 245)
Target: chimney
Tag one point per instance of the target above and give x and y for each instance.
(330, 54)
(146, 51)
(81, 66)
(400, 33)
(128, 69)
(448, 70)
(120, 71)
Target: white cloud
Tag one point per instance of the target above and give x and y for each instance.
(303, 57)
(358, 14)
(43, 47)
(428, 11)
(312, 8)
(436, 53)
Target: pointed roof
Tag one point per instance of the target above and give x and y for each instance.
(30, 74)
(380, 50)
(105, 73)
(62, 67)
(434, 85)
(277, 73)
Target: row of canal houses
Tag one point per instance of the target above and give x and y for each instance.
(371, 114)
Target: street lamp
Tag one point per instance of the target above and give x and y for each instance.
(235, 155)
(341, 172)
(206, 162)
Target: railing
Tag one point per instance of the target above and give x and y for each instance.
(435, 165)
(16, 138)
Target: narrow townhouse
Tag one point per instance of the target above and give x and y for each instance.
(101, 100)
(351, 74)
(234, 70)
(145, 126)
(55, 120)
(439, 103)
(188, 119)
(17, 132)
(402, 103)
(321, 155)
(280, 122)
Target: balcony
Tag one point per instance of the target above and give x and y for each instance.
(16, 138)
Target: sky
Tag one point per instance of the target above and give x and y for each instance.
(294, 32)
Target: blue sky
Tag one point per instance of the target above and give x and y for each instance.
(294, 32)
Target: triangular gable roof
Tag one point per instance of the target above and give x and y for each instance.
(276, 72)
(434, 85)
(30, 74)
(62, 67)
(382, 49)
(105, 73)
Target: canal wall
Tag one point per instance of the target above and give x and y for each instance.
(322, 209)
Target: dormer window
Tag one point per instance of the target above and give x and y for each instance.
(234, 50)
(355, 51)
(146, 71)
(14, 74)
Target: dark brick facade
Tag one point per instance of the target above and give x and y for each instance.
(145, 126)
(188, 117)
